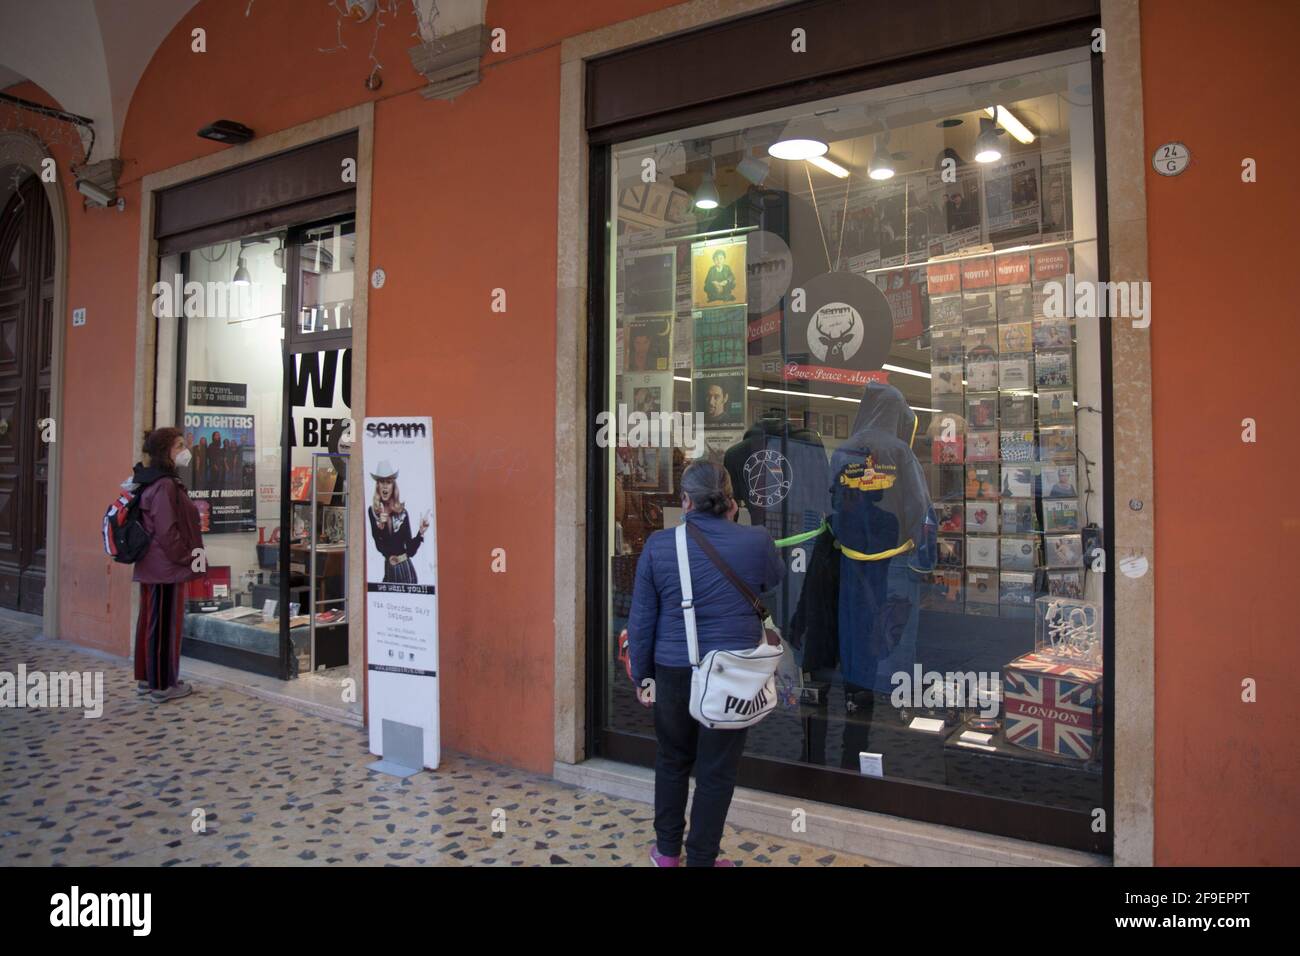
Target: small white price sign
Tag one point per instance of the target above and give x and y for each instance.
(1170, 159)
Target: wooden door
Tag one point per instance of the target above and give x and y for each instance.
(26, 335)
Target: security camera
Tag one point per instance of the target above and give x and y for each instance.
(99, 196)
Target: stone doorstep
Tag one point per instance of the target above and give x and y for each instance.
(203, 672)
(883, 839)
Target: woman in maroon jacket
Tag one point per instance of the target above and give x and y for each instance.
(173, 525)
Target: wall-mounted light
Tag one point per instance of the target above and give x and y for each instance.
(227, 131)
(987, 149)
(803, 138)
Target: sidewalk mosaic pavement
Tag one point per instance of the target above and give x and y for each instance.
(274, 786)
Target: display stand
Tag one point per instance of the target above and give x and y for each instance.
(327, 567)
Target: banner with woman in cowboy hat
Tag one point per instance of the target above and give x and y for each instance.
(401, 580)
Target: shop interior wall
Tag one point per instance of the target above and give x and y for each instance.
(1224, 348)
(463, 203)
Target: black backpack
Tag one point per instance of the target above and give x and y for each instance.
(125, 540)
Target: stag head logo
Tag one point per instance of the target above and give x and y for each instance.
(835, 333)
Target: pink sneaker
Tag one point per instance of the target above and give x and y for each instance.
(658, 859)
(718, 863)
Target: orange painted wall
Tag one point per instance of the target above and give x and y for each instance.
(463, 202)
(1221, 78)
(95, 425)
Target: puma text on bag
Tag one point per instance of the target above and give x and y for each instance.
(730, 690)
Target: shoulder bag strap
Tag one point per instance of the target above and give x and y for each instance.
(688, 605)
(729, 574)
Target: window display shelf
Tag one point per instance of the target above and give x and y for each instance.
(325, 551)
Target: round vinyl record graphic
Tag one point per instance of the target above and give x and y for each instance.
(846, 323)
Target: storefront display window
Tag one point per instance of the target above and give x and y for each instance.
(273, 594)
(862, 308)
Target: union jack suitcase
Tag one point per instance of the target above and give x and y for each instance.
(1051, 706)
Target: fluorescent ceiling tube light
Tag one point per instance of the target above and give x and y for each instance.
(1009, 123)
(835, 169)
(804, 138)
(905, 371)
(987, 149)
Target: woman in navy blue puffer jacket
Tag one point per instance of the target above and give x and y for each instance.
(661, 664)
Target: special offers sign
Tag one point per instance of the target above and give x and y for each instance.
(401, 579)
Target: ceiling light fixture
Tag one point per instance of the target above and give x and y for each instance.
(754, 169)
(1009, 123)
(241, 274)
(803, 138)
(987, 149)
(706, 195)
(881, 166)
(834, 168)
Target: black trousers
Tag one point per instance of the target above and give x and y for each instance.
(685, 744)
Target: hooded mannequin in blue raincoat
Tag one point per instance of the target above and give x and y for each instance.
(885, 528)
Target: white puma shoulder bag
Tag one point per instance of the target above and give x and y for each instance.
(730, 690)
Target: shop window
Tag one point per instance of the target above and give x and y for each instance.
(853, 301)
(273, 597)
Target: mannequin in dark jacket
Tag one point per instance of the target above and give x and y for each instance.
(172, 522)
(661, 663)
(784, 511)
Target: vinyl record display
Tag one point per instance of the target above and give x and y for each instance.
(846, 323)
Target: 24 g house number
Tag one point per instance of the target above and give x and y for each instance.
(1170, 159)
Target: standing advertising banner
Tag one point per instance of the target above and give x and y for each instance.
(401, 590)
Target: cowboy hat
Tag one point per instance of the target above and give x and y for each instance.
(385, 471)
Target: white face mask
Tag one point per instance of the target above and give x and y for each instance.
(183, 458)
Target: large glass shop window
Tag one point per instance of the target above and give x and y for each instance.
(865, 307)
(220, 351)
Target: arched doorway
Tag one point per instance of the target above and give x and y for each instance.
(27, 283)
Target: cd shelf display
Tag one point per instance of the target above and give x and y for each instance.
(1002, 390)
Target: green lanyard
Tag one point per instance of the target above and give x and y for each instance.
(800, 538)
